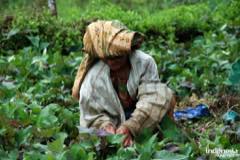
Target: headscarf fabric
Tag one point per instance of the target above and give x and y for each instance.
(104, 39)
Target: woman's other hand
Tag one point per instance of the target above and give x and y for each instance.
(110, 128)
(128, 137)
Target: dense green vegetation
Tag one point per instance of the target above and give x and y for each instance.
(196, 46)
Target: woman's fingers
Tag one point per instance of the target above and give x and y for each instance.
(110, 129)
(122, 130)
(127, 142)
(128, 137)
(130, 141)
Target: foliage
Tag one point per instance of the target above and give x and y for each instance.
(195, 44)
(234, 76)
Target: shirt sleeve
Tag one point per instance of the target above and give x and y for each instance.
(153, 100)
(92, 112)
(93, 118)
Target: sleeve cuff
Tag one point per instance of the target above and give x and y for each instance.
(133, 126)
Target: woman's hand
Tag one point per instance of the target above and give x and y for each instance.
(110, 128)
(128, 137)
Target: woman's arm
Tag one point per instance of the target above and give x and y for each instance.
(153, 101)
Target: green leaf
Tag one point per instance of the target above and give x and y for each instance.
(44, 45)
(234, 76)
(35, 108)
(127, 153)
(77, 152)
(165, 155)
(8, 85)
(3, 131)
(23, 135)
(47, 118)
(170, 130)
(40, 59)
(12, 32)
(144, 136)
(33, 155)
(40, 147)
(146, 149)
(150, 144)
(115, 138)
(13, 154)
(144, 156)
(34, 40)
(21, 114)
(58, 144)
(49, 132)
(186, 149)
(235, 146)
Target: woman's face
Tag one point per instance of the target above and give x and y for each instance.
(116, 63)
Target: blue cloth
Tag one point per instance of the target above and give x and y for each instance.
(199, 111)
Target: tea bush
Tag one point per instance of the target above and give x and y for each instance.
(194, 44)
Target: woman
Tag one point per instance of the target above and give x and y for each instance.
(119, 86)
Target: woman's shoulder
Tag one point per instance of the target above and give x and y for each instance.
(139, 57)
(97, 70)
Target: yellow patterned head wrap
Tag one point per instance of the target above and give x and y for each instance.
(104, 39)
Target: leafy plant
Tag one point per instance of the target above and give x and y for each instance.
(194, 43)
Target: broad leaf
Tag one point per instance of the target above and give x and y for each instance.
(35, 41)
(165, 155)
(58, 144)
(47, 118)
(170, 130)
(234, 76)
(12, 32)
